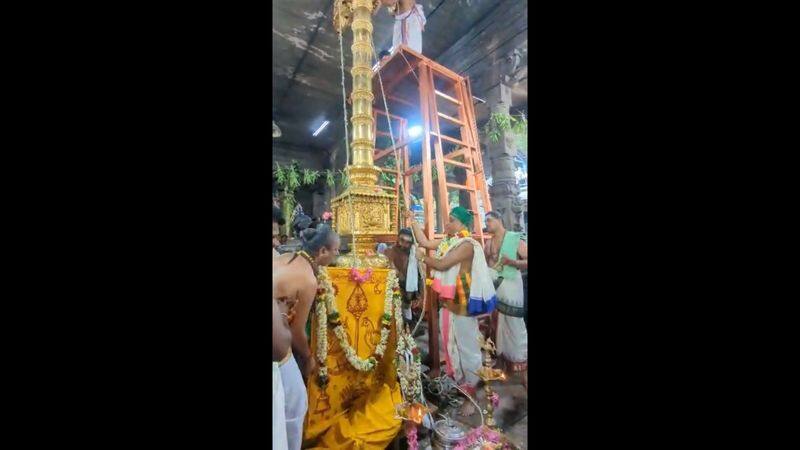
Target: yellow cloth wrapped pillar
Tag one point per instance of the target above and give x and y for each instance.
(357, 409)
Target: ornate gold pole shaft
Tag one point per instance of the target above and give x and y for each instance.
(364, 202)
(362, 171)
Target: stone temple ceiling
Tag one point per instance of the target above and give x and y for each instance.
(306, 77)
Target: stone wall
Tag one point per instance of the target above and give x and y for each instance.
(488, 50)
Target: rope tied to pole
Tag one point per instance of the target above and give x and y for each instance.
(351, 215)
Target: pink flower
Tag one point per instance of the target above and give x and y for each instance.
(495, 400)
(327, 215)
(492, 435)
(360, 278)
(411, 434)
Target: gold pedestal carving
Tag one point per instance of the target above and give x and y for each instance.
(373, 212)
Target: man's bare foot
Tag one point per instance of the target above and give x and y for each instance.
(467, 409)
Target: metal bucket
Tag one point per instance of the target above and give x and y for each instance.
(446, 435)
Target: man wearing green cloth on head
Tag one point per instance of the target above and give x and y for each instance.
(461, 280)
(506, 254)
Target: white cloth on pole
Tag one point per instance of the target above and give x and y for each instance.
(296, 400)
(408, 28)
(278, 412)
(412, 272)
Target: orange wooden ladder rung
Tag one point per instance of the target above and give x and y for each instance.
(447, 138)
(451, 119)
(448, 98)
(456, 163)
(461, 186)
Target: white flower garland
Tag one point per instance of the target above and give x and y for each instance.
(408, 361)
(322, 330)
(450, 241)
(328, 314)
(407, 355)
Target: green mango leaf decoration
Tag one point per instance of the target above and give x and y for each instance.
(310, 176)
(330, 178)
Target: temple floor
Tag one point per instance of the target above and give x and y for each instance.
(511, 416)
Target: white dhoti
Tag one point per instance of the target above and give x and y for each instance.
(278, 412)
(460, 336)
(512, 335)
(408, 28)
(296, 401)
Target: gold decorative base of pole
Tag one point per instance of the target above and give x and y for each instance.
(372, 211)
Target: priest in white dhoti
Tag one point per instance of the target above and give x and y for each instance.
(281, 344)
(409, 23)
(464, 287)
(506, 254)
(294, 284)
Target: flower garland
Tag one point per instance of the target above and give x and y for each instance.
(324, 295)
(481, 438)
(449, 241)
(408, 358)
(409, 362)
(359, 277)
(411, 435)
(328, 315)
(409, 371)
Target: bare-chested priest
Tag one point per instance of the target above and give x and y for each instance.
(462, 281)
(407, 274)
(295, 283)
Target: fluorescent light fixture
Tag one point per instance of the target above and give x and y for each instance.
(321, 127)
(415, 131)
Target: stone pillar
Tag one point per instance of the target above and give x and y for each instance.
(318, 203)
(329, 192)
(505, 190)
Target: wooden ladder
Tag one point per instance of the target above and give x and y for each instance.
(410, 84)
(467, 143)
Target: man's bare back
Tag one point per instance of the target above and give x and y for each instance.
(295, 286)
(290, 278)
